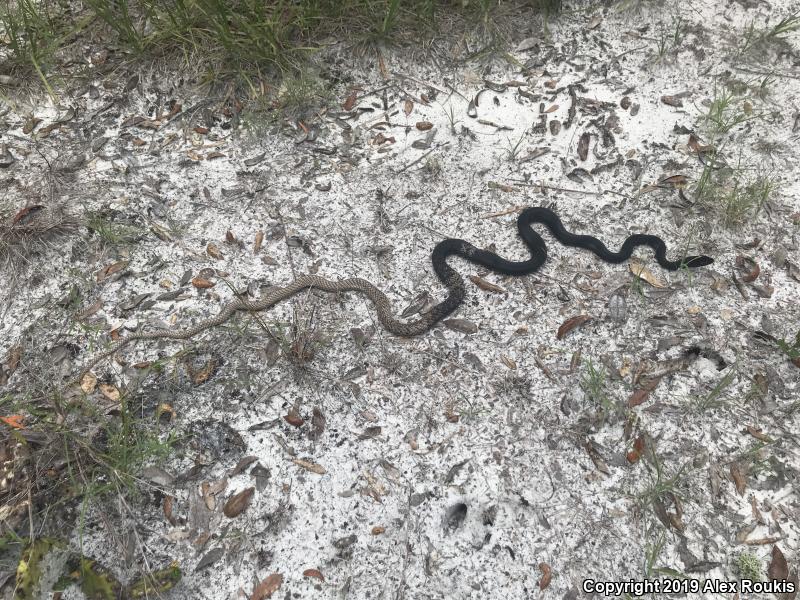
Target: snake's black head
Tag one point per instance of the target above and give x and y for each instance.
(694, 262)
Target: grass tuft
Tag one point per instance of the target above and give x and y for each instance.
(233, 37)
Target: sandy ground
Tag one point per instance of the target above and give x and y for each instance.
(474, 461)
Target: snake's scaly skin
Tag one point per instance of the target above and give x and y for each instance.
(446, 274)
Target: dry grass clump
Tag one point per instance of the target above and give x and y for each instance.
(28, 230)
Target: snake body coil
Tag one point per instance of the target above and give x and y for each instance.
(446, 274)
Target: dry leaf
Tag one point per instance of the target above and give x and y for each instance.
(310, 466)
(739, 477)
(672, 101)
(204, 373)
(462, 325)
(238, 503)
(350, 102)
(408, 106)
(642, 272)
(598, 461)
(583, 146)
(571, 324)
(167, 506)
(749, 268)
(508, 362)
(266, 588)
(202, 283)
(315, 573)
(638, 448)
(485, 285)
(88, 383)
(547, 575)
(762, 541)
(109, 391)
(778, 568)
(13, 421)
(258, 242)
(90, 310)
(213, 251)
(378, 530)
(756, 433)
(640, 395)
(12, 358)
(293, 418)
(109, 270)
(164, 408)
(424, 125)
(673, 181)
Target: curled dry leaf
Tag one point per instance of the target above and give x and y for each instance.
(165, 410)
(315, 573)
(408, 106)
(673, 181)
(547, 575)
(571, 324)
(695, 145)
(204, 373)
(424, 125)
(259, 240)
(643, 273)
(378, 530)
(238, 503)
(266, 588)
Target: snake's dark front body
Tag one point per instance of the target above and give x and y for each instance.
(446, 274)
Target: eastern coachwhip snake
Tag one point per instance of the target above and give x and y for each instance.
(446, 274)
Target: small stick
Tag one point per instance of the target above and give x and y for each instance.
(415, 161)
(418, 81)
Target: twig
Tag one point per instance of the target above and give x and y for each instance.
(418, 81)
(570, 190)
(415, 161)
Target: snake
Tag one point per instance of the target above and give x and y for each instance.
(447, 275)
